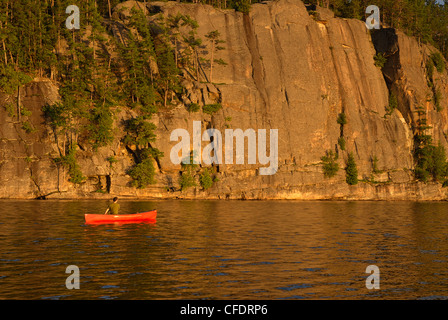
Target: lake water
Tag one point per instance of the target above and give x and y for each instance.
(226, 250)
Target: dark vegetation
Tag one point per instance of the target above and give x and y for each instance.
(330, 164)
(98, 73)
(431, 162)
(351, 170)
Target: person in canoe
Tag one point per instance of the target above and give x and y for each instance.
(113, 208)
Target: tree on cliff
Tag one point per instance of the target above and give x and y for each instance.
(11, 80)
(351, 170)
(137, 53)
(330, 164)
(215, 41)
(194, 43)
(168, 79)
(430, 159)
(241, 5)
(140, 134)
(171, 28)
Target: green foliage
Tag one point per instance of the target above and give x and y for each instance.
(28, 127)
(186, 181)
(71, 163)
(437, 100)
(330, 164)
(439, 61)
(393, 104)
(438, 165)
(211, 108)
(168, 80)
(375, 165)
(151, 152)
(341, 143)
(25, 112)
(436, 60)
(431, 162)
(137, 54)
(215, 40)
(143, 174)
(55, 115)
(342, 119)
(111, 160)
(241, 5)
(351, 170)
(166, 62)
(101, 127)
(347, 9)
(380, 60)
(10, 109)
(140, 132)
(430, 159)
(206, 179)
(187, 178)
(10, 79)
(193, 107)
(221, 62)
(95, 71)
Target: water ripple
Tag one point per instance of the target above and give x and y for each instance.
(226, 249)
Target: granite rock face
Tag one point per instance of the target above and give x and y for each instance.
(286, 70)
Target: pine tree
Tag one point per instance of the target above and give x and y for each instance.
(214, 39)
(174, 22)
(351, 170)
(137, 54)
(101, 126)
(168, 71)
(330, 164)
(193, 42)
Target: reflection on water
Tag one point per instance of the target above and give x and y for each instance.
(226, 250)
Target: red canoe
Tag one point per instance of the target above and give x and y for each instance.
(108, 218)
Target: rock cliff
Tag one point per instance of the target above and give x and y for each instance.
(287, 69)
